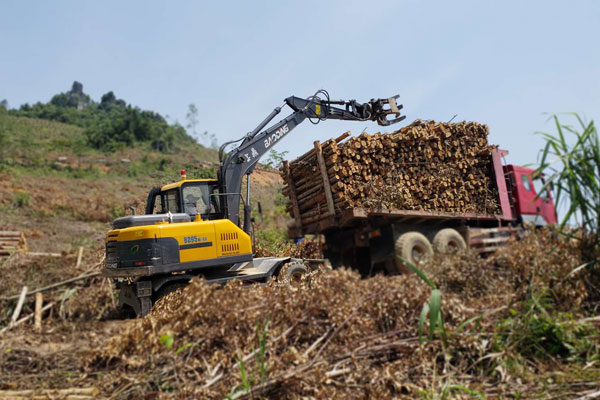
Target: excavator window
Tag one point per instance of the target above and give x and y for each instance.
(200, 198)
(157, 205)
(192, 198)
(171, 201)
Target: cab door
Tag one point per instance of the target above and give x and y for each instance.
(547, 210)
(531, 208)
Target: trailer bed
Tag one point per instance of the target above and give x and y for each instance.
(354, 216)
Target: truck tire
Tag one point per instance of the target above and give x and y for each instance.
(292, 272)
(448, 240)
(411, 246)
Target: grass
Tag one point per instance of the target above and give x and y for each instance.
(37, 143)
(534, 330)
(432, 309)
(248, 380)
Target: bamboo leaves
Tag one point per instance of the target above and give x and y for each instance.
(573, 169)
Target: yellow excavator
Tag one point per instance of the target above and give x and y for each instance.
(193, 227)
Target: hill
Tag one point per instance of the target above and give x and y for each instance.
(110, 124)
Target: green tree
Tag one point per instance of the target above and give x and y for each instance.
(192, 119)
(205, 138)
(275, 159)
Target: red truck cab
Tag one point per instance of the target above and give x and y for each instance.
(528, 207)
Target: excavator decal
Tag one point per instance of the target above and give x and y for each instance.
(276, 136)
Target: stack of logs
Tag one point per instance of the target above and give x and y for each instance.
(11, 241)
(427, 166)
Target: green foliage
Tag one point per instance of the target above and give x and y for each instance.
(116, 211)
(449, 391)
(432, 309)
(273, 237)
(247, 380)
(82, 173)
(206, 139)
(192, 118)
(109, 125)
(574, 170)
(167, 341)
(275, 159)
(3, 136)
(533, 330)
(21, 200)
(262, 349)
(184, 347)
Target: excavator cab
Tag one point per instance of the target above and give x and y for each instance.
(195, 197)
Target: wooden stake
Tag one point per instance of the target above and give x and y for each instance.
(292, 194)
(39, 254)
(70, 393)
(39, 299)
(79, 255)
(325, 177)
(19, 305)
(55, 285)
(26, 318)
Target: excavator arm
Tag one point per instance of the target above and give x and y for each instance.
(243, 159)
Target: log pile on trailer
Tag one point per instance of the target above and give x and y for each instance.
(426, 166)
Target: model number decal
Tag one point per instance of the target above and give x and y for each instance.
(279, 133)
(194, 239)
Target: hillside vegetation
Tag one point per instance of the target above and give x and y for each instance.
(110, 124)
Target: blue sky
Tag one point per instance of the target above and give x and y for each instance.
(501, 63)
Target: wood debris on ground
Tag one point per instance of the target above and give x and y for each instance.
(10, 242)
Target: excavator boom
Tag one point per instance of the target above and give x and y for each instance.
(243, 159)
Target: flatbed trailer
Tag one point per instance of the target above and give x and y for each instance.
(370, 239)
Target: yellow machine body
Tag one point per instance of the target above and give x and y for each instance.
(199, 240)
(164, 243)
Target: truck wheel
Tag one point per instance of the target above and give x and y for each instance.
(411, 246)
(448, 240)
(292, 272)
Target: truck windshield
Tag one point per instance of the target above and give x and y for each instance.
(198, 198)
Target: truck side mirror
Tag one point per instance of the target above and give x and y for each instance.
(259, 206)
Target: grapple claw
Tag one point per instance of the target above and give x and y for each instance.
(380, 112)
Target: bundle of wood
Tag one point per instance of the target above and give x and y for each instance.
(11, 241)
(428, 166)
